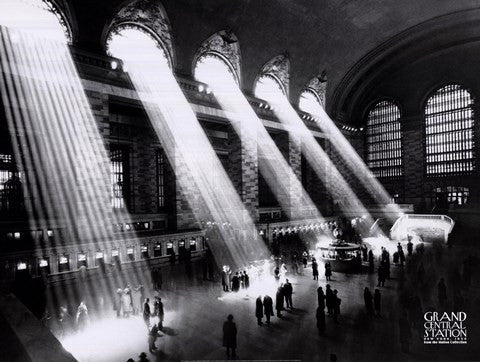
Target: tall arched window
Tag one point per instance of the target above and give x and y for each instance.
(310, 102)
(384, 140)
(268, 87)
(449, 123)
(212, 69)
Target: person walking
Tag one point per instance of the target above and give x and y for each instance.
(371, 262)
(230, 336)
(161, 314)
(315, 270)
(320, 315)
(259, 310)
(381, 275)
(336, 305)
(268, 308)
(329, 299)
(146, 313)
(377, 301)
(246, 279)
(82, 316)
(288, 291)
(279, 301)
(442, 292)
(152, 337)
(368, 298)
(328, 271)
(409, 247)
(321, 298)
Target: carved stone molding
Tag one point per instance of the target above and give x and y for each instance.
(318, 85)
(223, 44)
(278, 68)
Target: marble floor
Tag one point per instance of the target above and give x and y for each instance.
(196, 309)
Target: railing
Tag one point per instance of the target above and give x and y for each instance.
(443, 218)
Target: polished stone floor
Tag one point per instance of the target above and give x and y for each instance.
(196, 309)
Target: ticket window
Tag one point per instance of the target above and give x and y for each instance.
(63, 263)
(144, 251)
(193, 244)
(44, 266)
(170, 250)
(22, 272)
(181, 247)
(115, 256)
(99, 259)
(130, 253)
(157, 250)
(82, 260)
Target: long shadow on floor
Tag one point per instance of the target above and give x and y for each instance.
(169, 331)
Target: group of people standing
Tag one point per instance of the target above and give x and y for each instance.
(158, 312)
(372, 302)
(235, 282)
(265, 307)
(128, 300)
(328, 299)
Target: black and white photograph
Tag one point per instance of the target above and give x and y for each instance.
(250, 180)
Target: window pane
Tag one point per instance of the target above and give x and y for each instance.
(384, 140)
(449, 131)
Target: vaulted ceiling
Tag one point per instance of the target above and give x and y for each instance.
(318, 34)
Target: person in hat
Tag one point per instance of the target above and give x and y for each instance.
(143, 357)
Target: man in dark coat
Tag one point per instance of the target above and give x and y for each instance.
(230, 336)
(410, 248)
(268, 307)
(381, 275)
(368, 298)
(146, 312)
(224, 281)
(160, 314)
(279, 301)
(320, 320)
(442, 292)
(259, 310)
(321, 298)
(235, 282)
(329, 299)
(288, 291)
(371, 263)
(152, 337)
(246, 279)
(328, 271)
(315, 270)
(336, 305)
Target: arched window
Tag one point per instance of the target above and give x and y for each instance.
(384, 140)
(309, 102)
(449, 123)
(212, 69)
(268, 87)
(41, 17)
